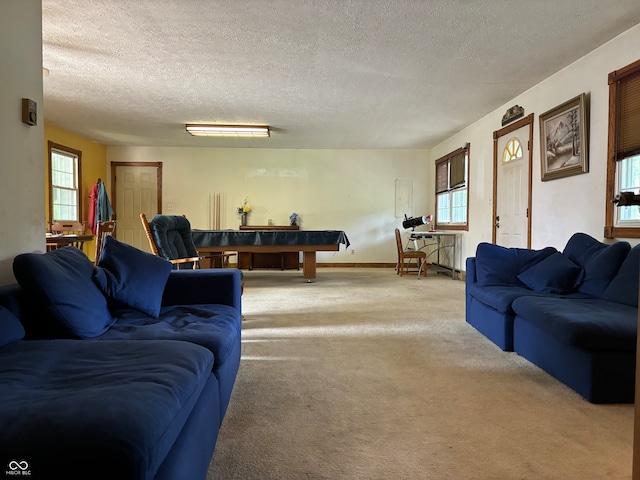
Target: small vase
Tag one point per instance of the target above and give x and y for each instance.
(243, 219)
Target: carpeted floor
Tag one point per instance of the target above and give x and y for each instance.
(367, 375)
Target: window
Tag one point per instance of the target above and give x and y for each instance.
(512, 151)
(64, 183)
(452, 172)
(623, 158)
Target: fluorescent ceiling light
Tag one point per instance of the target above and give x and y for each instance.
(227, 130)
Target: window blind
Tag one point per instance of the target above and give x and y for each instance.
(457, 175)
(627, 123)
(442, 176)
(451, 171)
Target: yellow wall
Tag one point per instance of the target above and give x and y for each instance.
(94, 166)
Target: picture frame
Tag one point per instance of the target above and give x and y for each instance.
(564, 139)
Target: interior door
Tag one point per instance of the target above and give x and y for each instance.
(512, 185)
(137, 188)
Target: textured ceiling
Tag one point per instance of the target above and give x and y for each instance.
(321, 73)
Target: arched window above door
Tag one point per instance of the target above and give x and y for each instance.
(512, 151)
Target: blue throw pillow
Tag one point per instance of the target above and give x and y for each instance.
(61, 282)
(497, 265)
(581, 247)
(11, 330)
(554, 274)
(624, 286)
(128, 276)
(601, 267)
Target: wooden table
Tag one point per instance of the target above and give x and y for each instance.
(57, 241)
(268, 241)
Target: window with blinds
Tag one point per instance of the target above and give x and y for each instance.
(623, 162)
(451, 189)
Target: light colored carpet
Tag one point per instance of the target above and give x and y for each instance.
(367, 375)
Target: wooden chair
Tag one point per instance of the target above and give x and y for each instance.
(70, 228)
(170, 238)
(405, 257)
(103, 229)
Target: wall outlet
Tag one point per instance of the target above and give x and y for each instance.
(170, 206)
(353, 252)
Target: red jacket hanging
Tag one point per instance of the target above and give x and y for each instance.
(93, 206)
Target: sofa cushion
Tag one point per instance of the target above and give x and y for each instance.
(103, 409)
(498, 297)
(128, 276)
(600, 261)
(497, 265)
(555, 274)
(586, 323)
(60, 283)
(216, 327)
(624, 286)
(582, 246)
(11, 330)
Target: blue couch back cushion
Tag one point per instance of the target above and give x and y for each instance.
(624, 286)
(11, 330)
(600, 261)
(555, 274)
(60, 282)
(130, 277)
(497, 265)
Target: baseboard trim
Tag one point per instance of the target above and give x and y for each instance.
(461, 274)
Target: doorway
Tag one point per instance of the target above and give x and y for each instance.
(137, 188)
(512, 161)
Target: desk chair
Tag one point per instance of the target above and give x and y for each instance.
(103, 229)
(70, 228)
(405, 256)
(170, 238)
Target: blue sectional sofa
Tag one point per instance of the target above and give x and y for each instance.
(123, 370)
(572, 313)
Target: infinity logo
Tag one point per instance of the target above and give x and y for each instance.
(23, 465)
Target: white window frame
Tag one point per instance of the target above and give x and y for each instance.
(624, 168)
(73, 188)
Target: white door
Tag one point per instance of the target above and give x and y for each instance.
(136, 190)
(511, 221)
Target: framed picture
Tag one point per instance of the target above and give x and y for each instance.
(564, 139)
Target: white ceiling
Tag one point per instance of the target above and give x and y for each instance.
(321, 73)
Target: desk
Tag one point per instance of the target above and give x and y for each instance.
(440, 247)
(57, 241)
(273, 241)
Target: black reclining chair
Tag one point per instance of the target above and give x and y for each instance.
(170, 238)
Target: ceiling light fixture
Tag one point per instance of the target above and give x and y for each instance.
(253, 131)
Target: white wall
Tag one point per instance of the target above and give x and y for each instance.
(564, 206)
(350, 190)
(22, 180)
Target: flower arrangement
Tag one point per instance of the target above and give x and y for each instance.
(293, 218)
(243, 211)
(244, 208)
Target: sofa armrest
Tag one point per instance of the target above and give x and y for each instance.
(471, 271)
(211, 285)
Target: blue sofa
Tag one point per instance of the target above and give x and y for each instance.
(572, 313)
(123, 370)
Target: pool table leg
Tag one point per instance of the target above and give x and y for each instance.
(309, 266)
